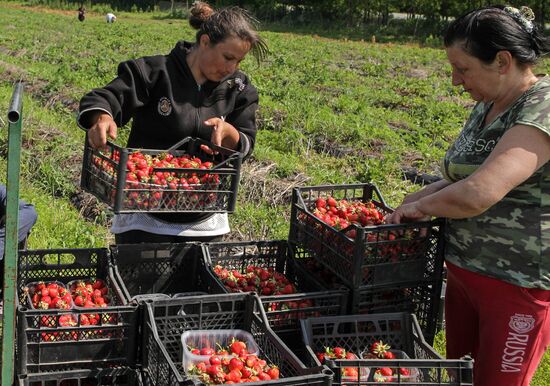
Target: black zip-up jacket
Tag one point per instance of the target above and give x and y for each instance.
(166, 104)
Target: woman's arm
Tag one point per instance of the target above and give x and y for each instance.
(426, 191)
(243, 118)
(238, 131)
(521, 151)
(104, 109)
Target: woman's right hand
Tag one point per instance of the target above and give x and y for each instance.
(104, 125)
(407, 212)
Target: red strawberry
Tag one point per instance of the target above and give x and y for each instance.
(379, 348)
(386, 371)
(273, 372)
(339, 352)
(404, 371)
(237, 347)
(235, 364)
(207, 351)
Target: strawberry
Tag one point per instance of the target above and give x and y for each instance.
(251, 360)
(379, 348)
(264, 376)
(339, 352)
(235, 364)
(233, 376)
(404, 371)
(237, 347)
(207, 351)
(273, 372)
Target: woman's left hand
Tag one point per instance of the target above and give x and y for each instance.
(407, 212)
(223, 134)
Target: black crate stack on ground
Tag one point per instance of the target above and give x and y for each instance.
(111, 343)
(283, 311)
(157, 269)
(356, 333)
(387, 268)
(166, 320)
(104, 174)
(98, 377)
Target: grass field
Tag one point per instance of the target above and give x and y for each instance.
(332, 111)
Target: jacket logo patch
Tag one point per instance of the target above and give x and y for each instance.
(240, 83)
(165, 106)
(236, 82)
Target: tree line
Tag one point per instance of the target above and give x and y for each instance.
(375, 11)
(351, 13)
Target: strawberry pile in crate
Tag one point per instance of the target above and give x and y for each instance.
(386, 267)
(87, 294)
(183, 178)
(225, 356)
(214, 339)
(378, 349)
(348, 374)
(287, 292)
(343, 225)
(72, 314)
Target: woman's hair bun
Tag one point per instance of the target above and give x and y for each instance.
(199, 13)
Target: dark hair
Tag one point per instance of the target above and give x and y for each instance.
(227, 22)
(486, 31)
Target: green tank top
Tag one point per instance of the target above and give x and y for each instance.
(511, 240)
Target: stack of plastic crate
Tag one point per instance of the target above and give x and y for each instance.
(411, 360)
(48, 349)
(288, 293)
(385, 267)
(166, 321)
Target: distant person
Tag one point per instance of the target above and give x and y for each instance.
(198, 91)
(111, 18)
(81, 13)
(496, 198)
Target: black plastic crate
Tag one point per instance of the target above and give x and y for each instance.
(40, 348)
(283, 310)
(166, 320)
(377, 255)
(157, 269)
(105, 175)
(356, 333)
(421, 298)
(122, 376)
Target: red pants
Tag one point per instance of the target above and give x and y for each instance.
(505, 328)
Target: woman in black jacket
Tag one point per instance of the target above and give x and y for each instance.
(196, 91)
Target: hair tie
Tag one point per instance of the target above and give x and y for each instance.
(523, 16)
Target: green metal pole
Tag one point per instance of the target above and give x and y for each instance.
(12, 227)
